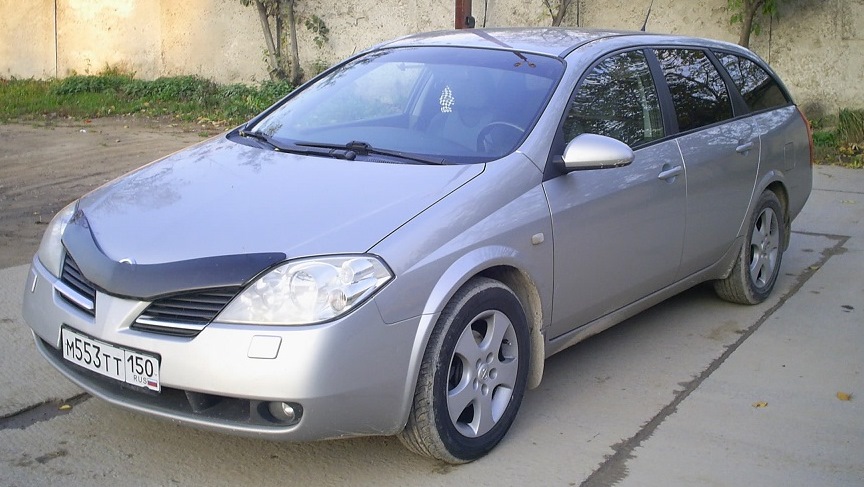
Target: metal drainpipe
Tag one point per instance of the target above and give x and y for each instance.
(464, 20)
(56, 46)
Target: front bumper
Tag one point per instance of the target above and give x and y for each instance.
(351, 376)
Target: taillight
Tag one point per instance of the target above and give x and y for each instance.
(809, 135)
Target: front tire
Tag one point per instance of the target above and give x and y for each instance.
(472, 377)
(758, 264)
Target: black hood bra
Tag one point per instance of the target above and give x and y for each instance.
(148, 282)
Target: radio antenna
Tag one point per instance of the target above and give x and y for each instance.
(645, 24)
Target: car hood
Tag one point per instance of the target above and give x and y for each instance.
(222, 198)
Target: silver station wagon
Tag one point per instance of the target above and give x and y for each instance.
(395, 247)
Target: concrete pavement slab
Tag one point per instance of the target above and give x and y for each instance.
(836, 205)
(770, 414)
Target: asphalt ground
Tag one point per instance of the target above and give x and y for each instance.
(694, 391)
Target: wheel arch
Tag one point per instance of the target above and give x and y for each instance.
(774, 181)
(526, 290)
(779, 189)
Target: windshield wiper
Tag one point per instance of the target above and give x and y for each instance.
(365, 149)
(260, 136)
(334, 152)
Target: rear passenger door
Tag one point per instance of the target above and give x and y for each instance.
(721, 155)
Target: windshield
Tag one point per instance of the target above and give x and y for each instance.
(459, 105)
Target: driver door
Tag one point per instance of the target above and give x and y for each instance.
(618, 233)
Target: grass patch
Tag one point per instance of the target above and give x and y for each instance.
(850, 126)
(187, 98)
(842, 145)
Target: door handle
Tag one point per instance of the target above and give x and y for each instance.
(744, 148)
(667, 174)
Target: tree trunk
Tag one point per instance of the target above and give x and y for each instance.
(275, 71)
(279, 35)
(296, 72)
(557, 16)
(562, 11)
(749, 8)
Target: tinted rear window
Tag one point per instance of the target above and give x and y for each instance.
(758, 88)
(698, 90)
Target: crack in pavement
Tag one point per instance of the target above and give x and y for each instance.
(838, 191)
(43, 411)
(614, 466)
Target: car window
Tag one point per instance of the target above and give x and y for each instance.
(382, 91)
(759, 89)
(617, 99)
(698, 91)
(458, 104)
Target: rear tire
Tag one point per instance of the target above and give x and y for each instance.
(472, 377)
(758, 264)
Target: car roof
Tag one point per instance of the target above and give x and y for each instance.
(552, 41)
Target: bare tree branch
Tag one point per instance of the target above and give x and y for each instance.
(559, 13)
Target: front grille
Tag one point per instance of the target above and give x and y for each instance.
(76, 289)
(184, 314)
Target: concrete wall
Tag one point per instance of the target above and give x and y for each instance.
(816, 46)
(820, 53)
(94, 33)
(217, 39)
(27, 39)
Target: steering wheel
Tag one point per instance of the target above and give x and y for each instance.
(497, 135)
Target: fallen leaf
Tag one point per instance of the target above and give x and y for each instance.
(849, 202)
(760, 404)
(844, 396)
(65, 407)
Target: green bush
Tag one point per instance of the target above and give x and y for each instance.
(90, 84)
(175, 88)
(271, 91)
(824, 139)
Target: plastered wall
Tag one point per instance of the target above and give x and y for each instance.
(26, 38)
(816, 46)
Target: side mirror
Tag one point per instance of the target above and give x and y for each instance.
(592, 151)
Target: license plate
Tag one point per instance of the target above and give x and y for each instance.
(129, 366)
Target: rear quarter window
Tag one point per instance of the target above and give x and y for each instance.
(698, 91)
(758, 88)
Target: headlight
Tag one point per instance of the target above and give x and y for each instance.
(51, 249)
(308, 291)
